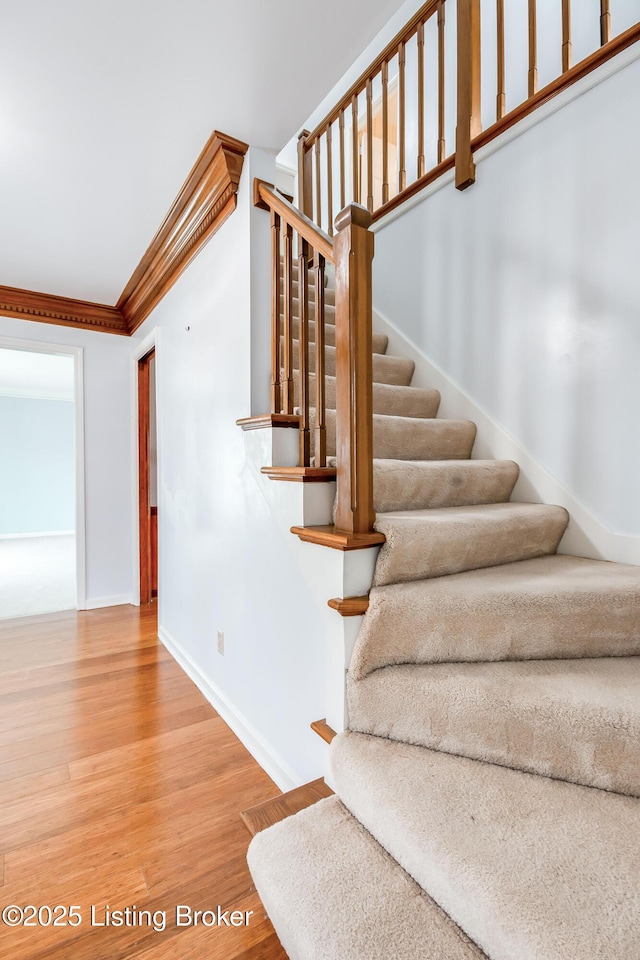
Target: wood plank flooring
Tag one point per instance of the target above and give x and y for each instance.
(120, 787)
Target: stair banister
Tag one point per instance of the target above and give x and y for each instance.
(351, 252)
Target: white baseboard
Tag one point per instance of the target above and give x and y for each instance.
(29, 536)
(94, 603)
(260, 750)
(587, 535)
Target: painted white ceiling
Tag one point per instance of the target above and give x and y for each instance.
(105, 106)
(36, 375)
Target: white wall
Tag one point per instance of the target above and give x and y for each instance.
(525, 291)
(225, 562)
(107, 452)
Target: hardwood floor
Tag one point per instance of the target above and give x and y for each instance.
(120, 787)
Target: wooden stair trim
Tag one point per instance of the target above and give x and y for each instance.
(269, 420)
(324, 731)
(264, 815)
(63, 311)
(350, 606)
(301, 474)
(331, 536)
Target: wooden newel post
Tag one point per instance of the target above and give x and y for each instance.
(353, 255)
(469, 115)
(305, 176)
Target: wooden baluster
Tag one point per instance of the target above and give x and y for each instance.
(605, 22)
(329, 182)
(318, 186)
(501, 98)
(566, 35)
(533, 49)
(353, 251)
(276, 390)
(305, 176)
(320, 438)
(303, 351)
(441, 141)
(420, 100)
(402, 164)
(287, 358)
(385, 131)
(355, 135)
(469, 115)
(369, 142)
(342, 158)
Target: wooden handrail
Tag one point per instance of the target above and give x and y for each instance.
(267, 198)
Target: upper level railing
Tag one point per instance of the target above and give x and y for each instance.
(427, 101)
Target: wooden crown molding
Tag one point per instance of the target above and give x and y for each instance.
(207, 198)
(47, 308)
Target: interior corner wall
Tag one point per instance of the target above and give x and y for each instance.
(524, 289)
(107, 417)
(225, 565)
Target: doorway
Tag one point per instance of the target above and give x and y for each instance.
(148, 477)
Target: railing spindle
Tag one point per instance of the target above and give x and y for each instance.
(441, 141)
(532, 77)
(566, 35)
(385, 132)
(420, 100)
(369, 142)
(342, 157)
(320, 438)
(402, 166)
(605, 22)
(318, 217)
(303, 351)
(276, 390)
(329, 182)
(469, 113)
(305, 175)
(501, 98)
(355, 152)
(287, 382)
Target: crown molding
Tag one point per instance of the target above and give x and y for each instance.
(207, 198)
(64, 311)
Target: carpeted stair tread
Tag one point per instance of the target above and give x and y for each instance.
(388, 399)
(378, 342)
(576, 720)
(433, 543)
(333, 893)
(386, 369)
(558, 606)
(412, 438)
(530, 868)
(420, 485)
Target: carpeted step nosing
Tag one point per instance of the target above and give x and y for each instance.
(430, 484)
(388, 399)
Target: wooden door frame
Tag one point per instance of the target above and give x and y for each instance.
(144, 511)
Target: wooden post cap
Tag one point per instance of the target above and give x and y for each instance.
(355, 214)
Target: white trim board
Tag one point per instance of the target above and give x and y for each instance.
(142, 348)
(586, 535)
(273, 764)
(42, 533)
(66, 350)
(120, 600)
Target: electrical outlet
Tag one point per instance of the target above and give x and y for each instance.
(221, 643)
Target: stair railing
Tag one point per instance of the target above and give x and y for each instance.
(386, 139)
(350, 251)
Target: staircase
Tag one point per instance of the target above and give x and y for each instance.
(488, 785)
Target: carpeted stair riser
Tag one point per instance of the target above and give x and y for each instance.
(333, 893)
(432, 543)
(531, 868)
(576, 720)
(386, 369)
(411, 438)
(388, 399)
(402, 485)
(551, 607)
(379, 342)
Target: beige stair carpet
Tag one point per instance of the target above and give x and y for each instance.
(403, 485)
(530, 868)
(412, 438)
(576, 720)
(388, 398)
(333, 893)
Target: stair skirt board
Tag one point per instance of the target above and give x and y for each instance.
(333, 893)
